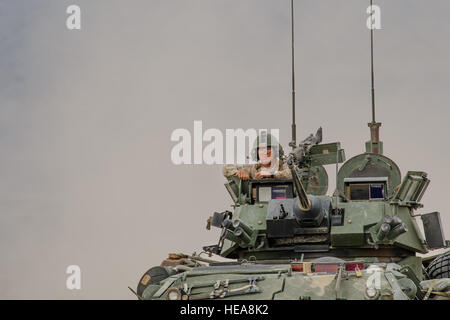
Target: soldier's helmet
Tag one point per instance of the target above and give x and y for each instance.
(265, 140)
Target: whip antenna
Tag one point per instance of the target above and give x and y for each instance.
(371, 63)
(294, 129)
(375, 145)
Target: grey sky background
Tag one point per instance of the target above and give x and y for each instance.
(86, 118)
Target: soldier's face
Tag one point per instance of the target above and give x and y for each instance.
(265, 155)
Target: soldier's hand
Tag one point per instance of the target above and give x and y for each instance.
(263, 174)
(243, 175)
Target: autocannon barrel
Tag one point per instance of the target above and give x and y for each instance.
(304, 201)
(309, 210)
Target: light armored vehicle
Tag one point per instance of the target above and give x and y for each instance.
(291, 241)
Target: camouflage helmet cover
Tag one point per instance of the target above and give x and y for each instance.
(265, 140)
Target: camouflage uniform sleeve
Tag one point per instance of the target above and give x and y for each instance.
(253, 170)
(231, 169)
(283, 173)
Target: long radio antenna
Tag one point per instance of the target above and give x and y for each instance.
(375, 145)
(371, 63)
(294, 129)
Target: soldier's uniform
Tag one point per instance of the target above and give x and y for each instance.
(280, 171)
(277, 170)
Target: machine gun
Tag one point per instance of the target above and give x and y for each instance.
(310, 157)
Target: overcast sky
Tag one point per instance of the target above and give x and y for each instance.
(86, 118)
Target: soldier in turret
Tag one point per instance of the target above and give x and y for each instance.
(267, 152)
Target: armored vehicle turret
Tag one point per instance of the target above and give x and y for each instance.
(291, 241)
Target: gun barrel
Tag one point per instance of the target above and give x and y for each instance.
(304, 201)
